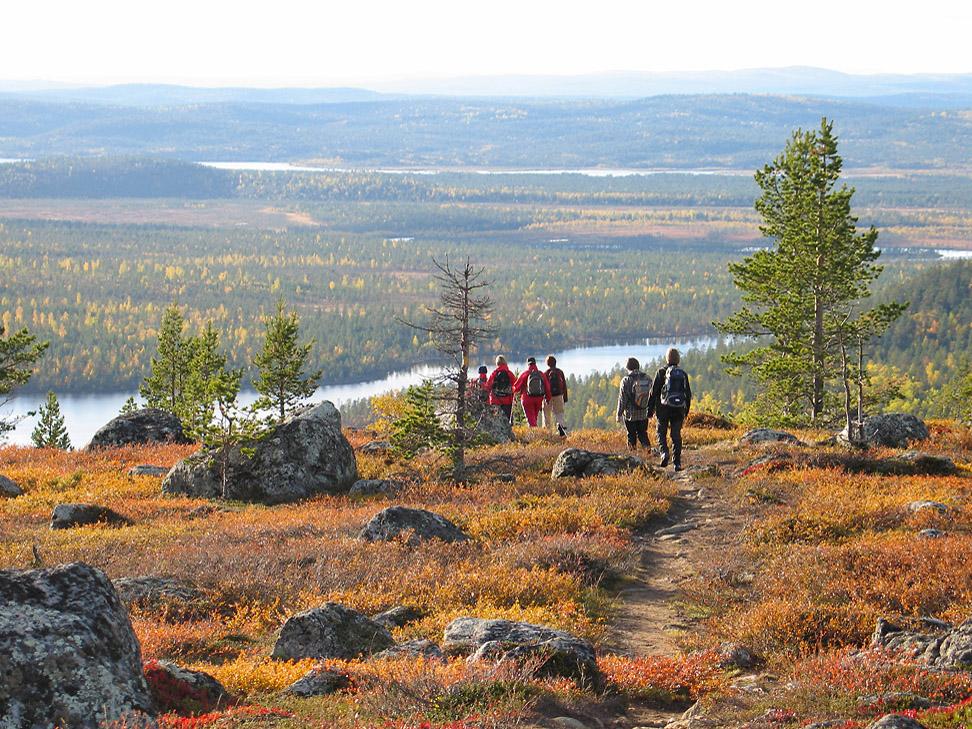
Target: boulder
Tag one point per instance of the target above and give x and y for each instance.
(735, 655)
(330, 631)
(148, 425)
(420, 648)
(896, 721)
(398, 616)
(492, 427)
(708, 421)
(420, 526)
(577, 463)
(318, 682)
(898, 700)
(920, 463)
(68, 655)
(374, 447)
(375, 486)
(183, 690)
(147, 470)
(161, 594)
(945, 647)
(893, 430)
(9, 489)
(304, 456)
(761, 436)
(67, 516)
(559, 653)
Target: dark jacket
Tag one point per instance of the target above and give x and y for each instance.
(654, 401)
(626, 403)
(520, 385)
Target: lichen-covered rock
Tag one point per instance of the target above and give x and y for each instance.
(9, 489)
(147, 470)
(161, 594)
(420, 526)
(492, 427)
(148, 425)
(558, 653)
(945, 646)
(761, 436)
(330, 631)
(183, 690)
(68, 655)
(374, 447)
(304, 456)
(578, 463)
(917, 507)
(375, 486)
(892, 430)
(419, 648)
(398, 616)
(896, 721)
(67, 516)
(318, 682)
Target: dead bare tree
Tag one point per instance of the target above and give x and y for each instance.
(456, 325)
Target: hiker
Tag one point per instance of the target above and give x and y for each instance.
(483, 382)
(671, 398)
(633, 397)
(553, 409)
(500, 387)
(534, 390)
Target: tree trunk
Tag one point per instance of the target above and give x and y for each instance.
(817, 404)
(459, 455)
(851, 429)
(860, 384)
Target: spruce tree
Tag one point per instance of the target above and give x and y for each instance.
(163, 388)
(809, 287)
(130, 406)
(282, 382)
(50, 431)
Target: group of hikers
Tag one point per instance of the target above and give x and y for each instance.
(543, 393)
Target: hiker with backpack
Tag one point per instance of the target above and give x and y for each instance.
(633, 398)
(553, 409)
(671, 398)
(500, 387)
(534, 390)
(483, 382)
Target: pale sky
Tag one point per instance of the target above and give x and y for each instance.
(287, 43)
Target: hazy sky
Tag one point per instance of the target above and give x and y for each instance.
(281, 42)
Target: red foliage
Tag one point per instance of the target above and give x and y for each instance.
(174, 696)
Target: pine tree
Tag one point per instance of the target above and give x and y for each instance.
(130, 406)
(799, 295)
(19, 353)
(163, 388)
(50, 431)
(205, 364)
(282, 382)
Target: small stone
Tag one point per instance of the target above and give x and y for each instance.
(318, 682)
(505, 478)
(578, 463)
(374, 486)
(147, 470)
(918, 506)
(420, 648)
(66, 516)
(397, 617)
(931, 534)
(676, 529)
(896, 721)
(420, 525)
(569, 722)
(375, 447)
(760, 436)
(9, 488)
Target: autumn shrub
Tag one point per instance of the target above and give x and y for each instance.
(665, 679)
(172, 695)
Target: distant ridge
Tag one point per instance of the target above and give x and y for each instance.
(910, 90)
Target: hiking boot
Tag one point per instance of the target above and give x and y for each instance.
(664, 460)
(561, 431)
(678, 466)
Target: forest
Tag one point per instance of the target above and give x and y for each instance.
(676, 131)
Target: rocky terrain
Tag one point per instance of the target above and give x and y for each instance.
(781, 580)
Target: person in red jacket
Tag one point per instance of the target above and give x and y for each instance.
(534, 390)
(500, 387)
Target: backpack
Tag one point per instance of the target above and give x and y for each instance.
(502, 384)
(534, 384)
(641, 391)
(556, 378)
(673, 392)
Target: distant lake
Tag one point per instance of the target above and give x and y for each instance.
(85, 413)
(588, 172)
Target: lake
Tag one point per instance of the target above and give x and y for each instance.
(85, 413)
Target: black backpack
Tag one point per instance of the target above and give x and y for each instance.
(556, 378)
(502, 384)
(534, 384)
(674, 392)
